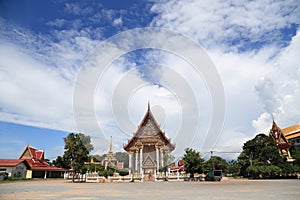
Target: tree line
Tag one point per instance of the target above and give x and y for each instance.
(260, 158)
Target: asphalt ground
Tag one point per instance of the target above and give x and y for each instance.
(229, 189)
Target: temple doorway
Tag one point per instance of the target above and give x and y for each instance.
(149, 175)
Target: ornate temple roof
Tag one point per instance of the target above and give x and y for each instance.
(291, 132)
(147, 129)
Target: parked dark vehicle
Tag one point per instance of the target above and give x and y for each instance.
(214, 175)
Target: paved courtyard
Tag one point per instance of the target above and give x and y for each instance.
(229, 189)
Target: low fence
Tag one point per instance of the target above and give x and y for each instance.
(171, 177)
(95, 178)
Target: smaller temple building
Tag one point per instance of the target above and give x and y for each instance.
(110, 160)
(285, 138)
(31, 164)
(147, 148)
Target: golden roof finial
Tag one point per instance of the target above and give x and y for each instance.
(148, 105)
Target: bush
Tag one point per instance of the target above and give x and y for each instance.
(106, 173)
(123, 172)
(264, 171)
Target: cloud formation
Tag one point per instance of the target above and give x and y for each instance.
(234, 25)
(252, 43)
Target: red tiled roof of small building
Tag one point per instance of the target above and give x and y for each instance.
(36, 161)
(10, 162)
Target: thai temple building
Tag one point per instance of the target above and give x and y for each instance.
(285, 138)
(147, 148)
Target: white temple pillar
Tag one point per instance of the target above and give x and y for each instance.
(157, 159)
(288, 154)
(141, 160)
(130, 160)
(161, 158)
(136, 160)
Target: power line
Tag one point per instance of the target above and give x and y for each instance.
(211, 152)
(221, 152)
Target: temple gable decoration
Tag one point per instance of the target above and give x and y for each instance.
(277, 135)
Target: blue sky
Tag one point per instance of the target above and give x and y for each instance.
(44, 44)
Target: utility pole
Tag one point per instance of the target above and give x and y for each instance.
(211, 155)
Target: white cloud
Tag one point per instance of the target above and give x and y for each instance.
(37, 76)
(279, 90)
(33, 93)
(77, 9)
(118, 22)
(57, 23)
(220, 23)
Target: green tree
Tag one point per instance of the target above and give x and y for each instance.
(77, 149)
(60, 162)
(94, 167)
(260, 158)
(98, 158)
(216, 162)
(295, 153)
(233, 168)
(252, 148)
(193, 162)
(269, 155)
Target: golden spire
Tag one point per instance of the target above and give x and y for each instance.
(110, 145)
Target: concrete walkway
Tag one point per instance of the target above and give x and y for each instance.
(229, 189)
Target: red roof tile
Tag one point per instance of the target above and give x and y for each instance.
(10, 162)
(39, 154)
